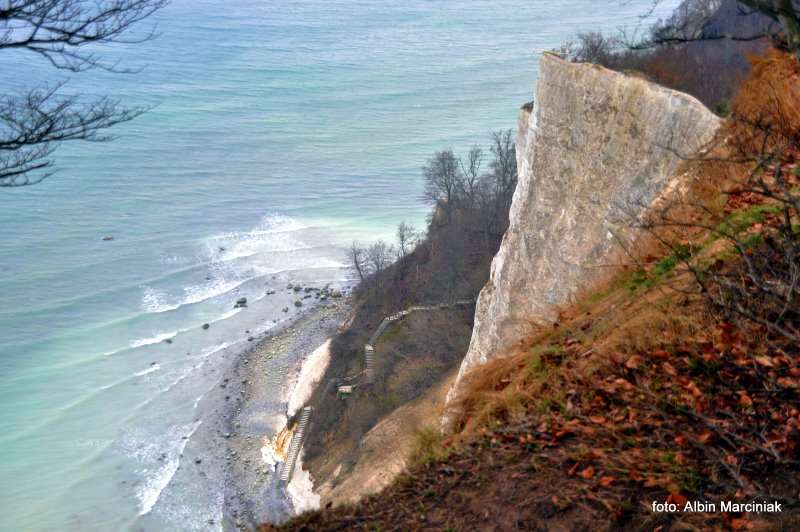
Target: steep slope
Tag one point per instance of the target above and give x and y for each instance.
(644, 391)
(596, 147)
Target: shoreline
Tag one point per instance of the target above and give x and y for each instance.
(256, 392)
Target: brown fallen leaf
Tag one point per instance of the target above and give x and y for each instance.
(669, 369)
(705, 436)
(561, 434)
(764, 361)
(606, 481)
(634, 362)
(694, 390)
(587, 473)
(663, 355)
(596, 454)
(624, 384)
(744, 400)
(677, 498)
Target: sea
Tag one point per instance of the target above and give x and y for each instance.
(278, 132)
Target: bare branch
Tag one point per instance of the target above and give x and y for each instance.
(32, 126)
(60, 30)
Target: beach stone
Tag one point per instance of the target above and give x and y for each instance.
(298, 303)
(206, 326)
(198, 461)
(286, 309)
(298, 288)
(241, 303)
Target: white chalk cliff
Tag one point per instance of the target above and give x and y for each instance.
(594, 144)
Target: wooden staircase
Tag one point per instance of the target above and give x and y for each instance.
(295, 446)
(369, 349)
(369, 357)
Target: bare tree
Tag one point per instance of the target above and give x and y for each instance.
(471, 173)
(357, 256)
(379, 256)
(504, 171)
(407, 238)
(691, 23)
(33, 124)
(442, 179)
(593, 47)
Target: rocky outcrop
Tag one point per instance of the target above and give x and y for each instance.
(596, 144)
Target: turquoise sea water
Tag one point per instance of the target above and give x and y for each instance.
(282, 131)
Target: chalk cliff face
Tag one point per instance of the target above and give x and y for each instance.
(595, 144)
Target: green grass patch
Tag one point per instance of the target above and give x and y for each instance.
(639, 279)
(667, 264)
(536, 366)
(428, 447)
(743, 219)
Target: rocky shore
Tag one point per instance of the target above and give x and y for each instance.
(245, 412)
(266, 376)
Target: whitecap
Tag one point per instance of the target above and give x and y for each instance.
(160, 337)
(151, 369)
(186, 371)
(214, 348)
(229, 314)
(156, 481)
(153, 301)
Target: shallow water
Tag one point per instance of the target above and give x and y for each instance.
(282, 131)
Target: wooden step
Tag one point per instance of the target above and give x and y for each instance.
(294, 448)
